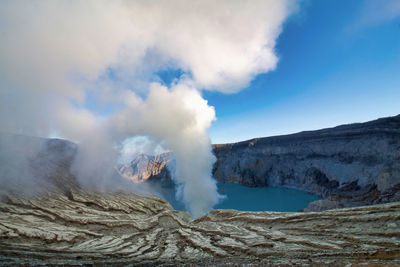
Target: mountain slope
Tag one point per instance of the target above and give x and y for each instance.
(144, 167)
(30, 165)
(349, 165)
(62, 224)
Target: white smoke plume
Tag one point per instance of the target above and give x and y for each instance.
(131, 147)
(58, 55)
(180, 117)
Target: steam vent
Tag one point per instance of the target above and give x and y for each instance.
(64, 224)
(200, 133)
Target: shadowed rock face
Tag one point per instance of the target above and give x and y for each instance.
(349, 165)
(87, 228)
(30, 165)
(66, 225)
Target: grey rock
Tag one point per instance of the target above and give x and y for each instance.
(71, 226)
(145, 167)
(28, 165)
(355, 163)
(81, 228)
(350, 165)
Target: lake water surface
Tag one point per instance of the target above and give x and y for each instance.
(245, 198)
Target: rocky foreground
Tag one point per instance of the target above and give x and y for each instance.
(77, 228)
(350, 165)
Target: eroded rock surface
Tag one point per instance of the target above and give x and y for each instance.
(65, 225)
(145, 167)
(349, 165)
(87, 228)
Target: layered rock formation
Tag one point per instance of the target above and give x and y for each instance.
(78, 228)
(144, 167)
(31, 165)
(64, 224)
(349, 165)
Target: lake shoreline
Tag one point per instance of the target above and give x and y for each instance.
(243, 198)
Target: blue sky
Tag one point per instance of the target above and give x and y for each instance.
(338, 64)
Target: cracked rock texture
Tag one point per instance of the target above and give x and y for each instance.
(87, 228)
(63, 225)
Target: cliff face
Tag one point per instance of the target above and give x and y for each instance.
(144, 167)
(80, 228)
(66, 225)
(349, 165)
(30, 165)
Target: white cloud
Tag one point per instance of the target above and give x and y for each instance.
(54, 51)
(180, 117)
(377, 12)
(131, 147)
(223, 44)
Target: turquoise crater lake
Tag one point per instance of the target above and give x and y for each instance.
(244, 198)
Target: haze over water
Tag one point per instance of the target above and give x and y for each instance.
(253, 198)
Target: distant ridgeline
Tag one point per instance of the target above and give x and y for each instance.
(31, 165)
(348, 165)
(74, 227)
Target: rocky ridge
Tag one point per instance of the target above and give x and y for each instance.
(29, 165)
(349, 165)
(144, 167)
(77, 227)
(66, 225)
